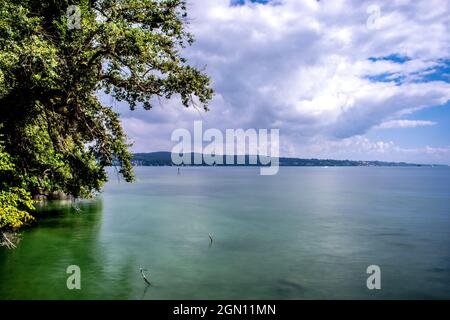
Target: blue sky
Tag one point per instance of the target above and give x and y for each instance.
(340, 79)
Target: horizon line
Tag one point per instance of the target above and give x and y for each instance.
(293, 157)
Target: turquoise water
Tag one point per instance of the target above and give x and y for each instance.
(306, 233)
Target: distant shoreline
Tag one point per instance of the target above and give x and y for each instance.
(163, 158)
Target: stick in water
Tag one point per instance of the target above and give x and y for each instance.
(143, 275)
(210, 237)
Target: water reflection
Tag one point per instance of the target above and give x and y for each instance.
(64, 235)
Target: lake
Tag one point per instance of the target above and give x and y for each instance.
(305, 233)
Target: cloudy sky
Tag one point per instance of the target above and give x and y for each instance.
(340, 79)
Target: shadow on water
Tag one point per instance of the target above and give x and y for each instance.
(63, 235)
(289, 288)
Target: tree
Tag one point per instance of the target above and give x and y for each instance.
(57, 133)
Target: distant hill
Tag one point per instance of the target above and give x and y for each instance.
(164, 159)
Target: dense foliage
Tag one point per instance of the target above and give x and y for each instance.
(15, 202)
(59, 137)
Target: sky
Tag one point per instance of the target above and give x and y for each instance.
(340, 79)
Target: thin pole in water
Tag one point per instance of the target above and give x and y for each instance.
(143, 275)
(210, 238)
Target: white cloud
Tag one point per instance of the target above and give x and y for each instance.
(405, 124)
(303, 67)
(362, 148)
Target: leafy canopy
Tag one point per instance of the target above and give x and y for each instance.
(58, 134)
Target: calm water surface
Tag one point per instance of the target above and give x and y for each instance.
(305, 233)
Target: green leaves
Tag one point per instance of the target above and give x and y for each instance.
(14, 206)
(15, 202)
(58, 135)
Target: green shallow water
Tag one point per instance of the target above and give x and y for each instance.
(306, 233)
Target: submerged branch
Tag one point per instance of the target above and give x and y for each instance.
(8, 243)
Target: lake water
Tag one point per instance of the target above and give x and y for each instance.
(306, 233)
